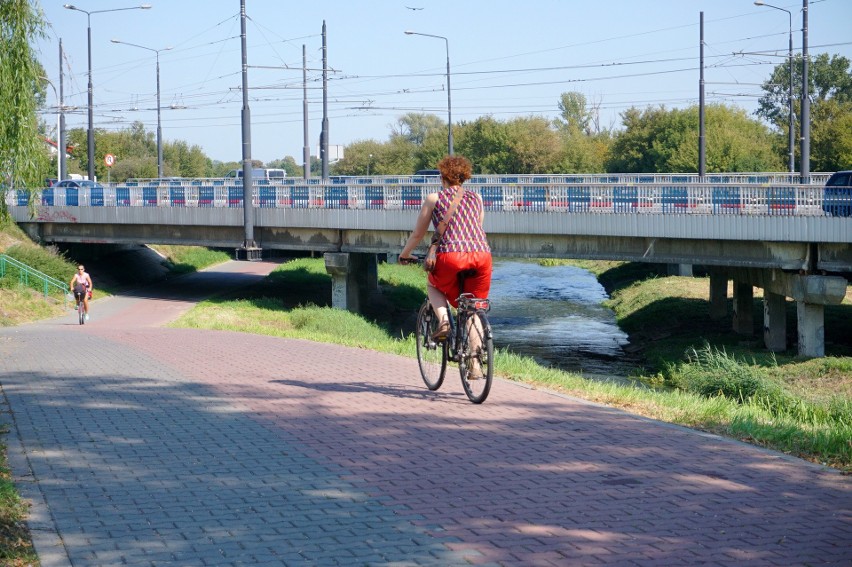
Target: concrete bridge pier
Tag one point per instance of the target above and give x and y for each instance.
(718, 295)
(743, 314)
(775, 321)
(684, 270)
(811, 293)
(353, 278)
(811, 329)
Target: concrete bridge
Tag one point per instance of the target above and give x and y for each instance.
(778, 237)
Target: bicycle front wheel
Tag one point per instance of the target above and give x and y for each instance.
(431, 355)
(81, 312)
(476, 364)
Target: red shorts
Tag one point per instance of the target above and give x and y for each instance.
(449, 264)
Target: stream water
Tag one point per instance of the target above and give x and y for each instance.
(554, 314)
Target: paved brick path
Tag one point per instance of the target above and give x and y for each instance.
(144, 445)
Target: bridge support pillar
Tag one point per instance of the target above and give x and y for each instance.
(743, 313)
(775, 321)
(684, 270)
(811, 293)
(811, 329)
(718, 295)
(353, 278)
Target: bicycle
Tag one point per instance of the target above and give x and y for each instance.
(433, 355)
(81, 306)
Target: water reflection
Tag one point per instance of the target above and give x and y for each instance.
(554, 314)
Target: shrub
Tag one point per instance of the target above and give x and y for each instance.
(712, 372)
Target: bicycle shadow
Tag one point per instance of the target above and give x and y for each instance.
(402, 391)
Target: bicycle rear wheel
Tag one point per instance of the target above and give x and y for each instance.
(477, 368)
(431, 355)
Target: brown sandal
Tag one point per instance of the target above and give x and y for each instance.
(443, 331)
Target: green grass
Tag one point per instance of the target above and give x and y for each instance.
(185, 259)
(764, 399)
(16, 549)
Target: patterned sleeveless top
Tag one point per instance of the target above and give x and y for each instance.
(464, 233)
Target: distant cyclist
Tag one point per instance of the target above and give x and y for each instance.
(81, 286)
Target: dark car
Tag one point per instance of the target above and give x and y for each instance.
(72, 192)
(837, 198)
(79, 184)
(427, 172)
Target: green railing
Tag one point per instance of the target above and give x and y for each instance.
(30, 277)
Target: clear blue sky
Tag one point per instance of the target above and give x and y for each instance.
(508, 58)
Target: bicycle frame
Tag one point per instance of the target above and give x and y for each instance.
(469, 344)
(468, 306)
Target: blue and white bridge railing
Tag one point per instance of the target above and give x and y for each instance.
(635, 198)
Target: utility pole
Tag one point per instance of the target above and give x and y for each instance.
(306, 151)
(324, 134)
(702, 157)
(805, 126)
(61, 134)
(249, 247)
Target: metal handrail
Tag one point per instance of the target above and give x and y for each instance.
(25, 273)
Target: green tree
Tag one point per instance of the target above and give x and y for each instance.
(632, 148)
(21, 150)
(658, 140)
(829, 77)
(521, 145)
(415, 127)
(831, 136)
(574, 115)
(289, 165)
(182, 160)
(584, 153)
(360, 157)
(220, 168)
(485, 143)
(398, 157)
(829, 89)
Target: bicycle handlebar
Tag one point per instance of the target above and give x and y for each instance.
(413, 259)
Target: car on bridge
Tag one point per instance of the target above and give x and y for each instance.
(72, 192)
(837, 198)
(79, 184)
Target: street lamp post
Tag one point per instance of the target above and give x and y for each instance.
(792, 139)
(159, 124)
(59, 148)
(90, 139)
(449, 94)
(805, 120)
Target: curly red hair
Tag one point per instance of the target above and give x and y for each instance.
(455, 169)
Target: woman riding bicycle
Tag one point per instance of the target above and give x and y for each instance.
(81, 287)
(463, 248)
